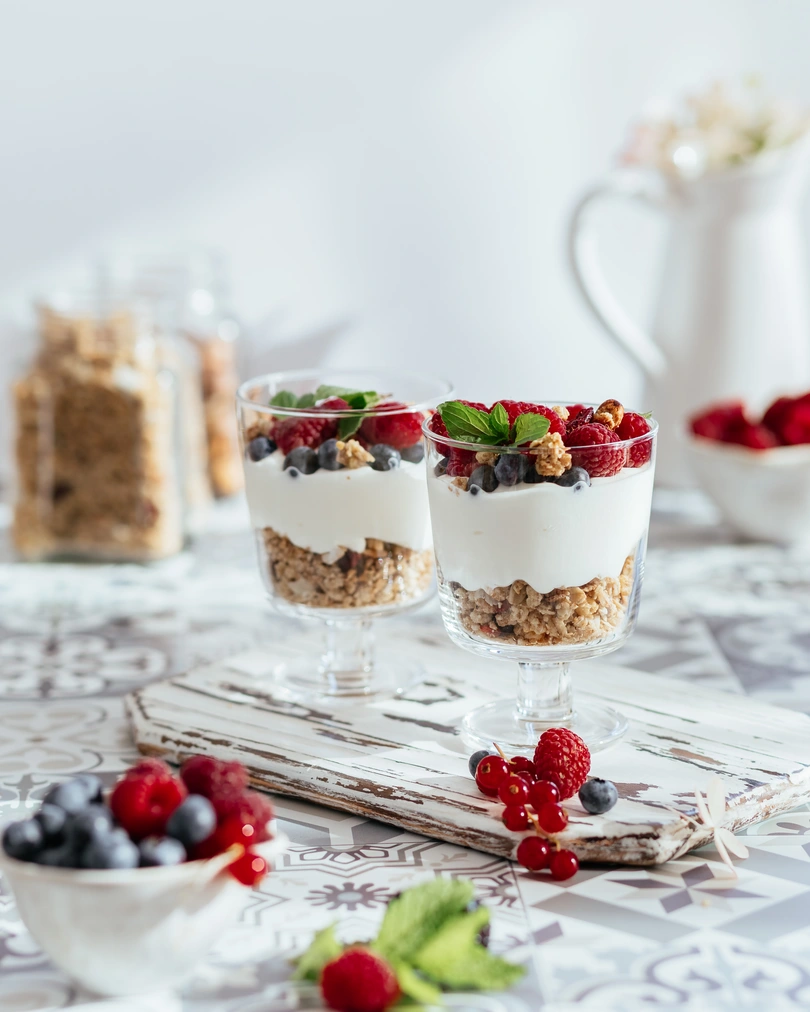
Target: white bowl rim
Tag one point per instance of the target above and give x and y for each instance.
(187, 871)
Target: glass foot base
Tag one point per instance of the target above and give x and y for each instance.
(499, 723)
(302, 681)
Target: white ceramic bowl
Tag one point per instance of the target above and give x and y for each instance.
(764, 494)
(134, 931)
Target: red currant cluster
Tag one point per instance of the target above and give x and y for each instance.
(531, 792)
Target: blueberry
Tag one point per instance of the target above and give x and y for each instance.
(193, 821)
(575, 477)
(414, 454)
(441, 467)
(260, 447)
(531, 477)
(598, 796)
(111, 850)
(475, 759)
(511, 468)
(160, 851)
(293, 472)
(386, 458)
(94, 822)
(483, 477)
(303, 459)
(64, 855)
(328, 455)
(23, 840)
(71, 795)
(92, 785)
(52, 820)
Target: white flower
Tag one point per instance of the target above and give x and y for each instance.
(711, 812)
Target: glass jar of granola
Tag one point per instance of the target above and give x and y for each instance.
(540, 518)
(97, 436)
(335, 482)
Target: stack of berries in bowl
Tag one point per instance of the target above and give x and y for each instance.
(756, 468)
(152, 819)
(532, 792)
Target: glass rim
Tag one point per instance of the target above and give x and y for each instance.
(293, 375)
(461, 444)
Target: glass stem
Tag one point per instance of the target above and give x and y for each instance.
(544, 693)
(347, 662)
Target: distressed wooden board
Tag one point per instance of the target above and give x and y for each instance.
(401, 761)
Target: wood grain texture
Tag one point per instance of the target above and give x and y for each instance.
(401, 760)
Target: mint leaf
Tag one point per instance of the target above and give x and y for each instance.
(325, 391)
(454, 958)
(366, 399)
(499, 423)
(529, 427)
(306, 401)
(284, 399)
(414, 917)
(348, 426)
(647, 414)
(415, 987)
(466, 423)
(322, 950)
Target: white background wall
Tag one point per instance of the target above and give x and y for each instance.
(393, 173)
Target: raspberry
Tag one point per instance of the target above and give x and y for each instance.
(515, 408)
(290, 432)
(633, 425)
(563, 758)
(142, 803)
(574, 410)
(251, 809)
(359, 981)
(719, 422)
(436, 424)
(757, 437)
(601, 462)
(460, 463)
(788, 418)
(249, 869)
(150, 765)
(211, 777)
(398, 430)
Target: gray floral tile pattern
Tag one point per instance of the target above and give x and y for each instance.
(75, 639)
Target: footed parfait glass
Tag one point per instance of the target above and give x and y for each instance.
(540, 568)
(335, 481)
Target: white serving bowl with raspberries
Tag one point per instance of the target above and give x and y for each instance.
(756, 469)
(127, 891)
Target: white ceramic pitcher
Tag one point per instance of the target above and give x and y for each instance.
(733, 312)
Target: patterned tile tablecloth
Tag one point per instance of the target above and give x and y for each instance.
(74, 640)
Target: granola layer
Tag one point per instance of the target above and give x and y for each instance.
(382, 574)
(567, 615)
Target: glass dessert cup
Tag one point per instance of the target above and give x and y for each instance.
(541, 570)
(335, 483)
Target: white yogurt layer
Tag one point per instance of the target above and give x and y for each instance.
(545, 534)
(340, 509)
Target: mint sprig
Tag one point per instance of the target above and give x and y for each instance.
(348, 424)
(471, 425)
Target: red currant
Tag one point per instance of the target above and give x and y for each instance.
(522, 764)
(514, 790)
(563, 864)
(516, 818)
(533, 853)
(491, 772)
(249, 869)
(542, 792)
(552, 817)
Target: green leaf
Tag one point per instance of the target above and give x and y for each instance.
(322, 950)
(284, 399)
(499, 423)
(415, 987)
(325, 391)
(466, 423)
(348, 426)
(454, 958)
(415, 916)
(647, 414)
(306, 401)
(529, 427)
(366, 399)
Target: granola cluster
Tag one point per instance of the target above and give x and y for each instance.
(518, 614)
(382, 574)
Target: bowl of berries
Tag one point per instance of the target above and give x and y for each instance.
(126, 893)
(756, 469)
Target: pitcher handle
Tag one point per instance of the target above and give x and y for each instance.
(583, 260)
